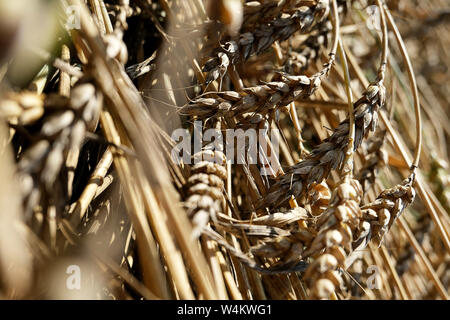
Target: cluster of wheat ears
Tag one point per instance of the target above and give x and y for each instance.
(91, 92)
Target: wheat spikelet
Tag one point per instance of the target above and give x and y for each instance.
(275, 219)
(287, 249)
(22, 108)
(318, 198)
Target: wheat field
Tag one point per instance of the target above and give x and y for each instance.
(224, 149)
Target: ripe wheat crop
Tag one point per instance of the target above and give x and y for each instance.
(343, 103)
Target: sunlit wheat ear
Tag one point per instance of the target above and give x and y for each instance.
(262, 99)
(388, 206)
(205, 185)
(330, 154)
(260, 39)
(333, 243)
(62, 129)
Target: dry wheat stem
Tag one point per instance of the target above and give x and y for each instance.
(441, 290)
(413, 84)
(131, 104)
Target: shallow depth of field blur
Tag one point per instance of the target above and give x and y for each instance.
(94, 204)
